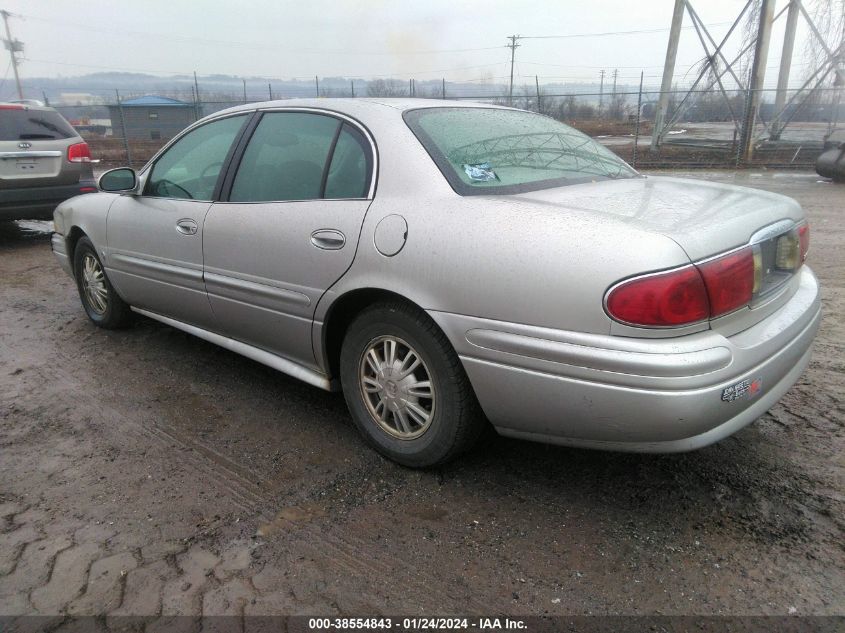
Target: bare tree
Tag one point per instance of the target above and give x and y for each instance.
(387, 88)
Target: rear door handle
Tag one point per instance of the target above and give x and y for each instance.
(328, 239)
(186, 226)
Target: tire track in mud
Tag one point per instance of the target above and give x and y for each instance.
(345, 552)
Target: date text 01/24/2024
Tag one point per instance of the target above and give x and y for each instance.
(416, 624)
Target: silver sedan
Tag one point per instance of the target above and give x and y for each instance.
(450, 266)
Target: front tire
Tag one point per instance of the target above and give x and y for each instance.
(101, 302)
(405, 387)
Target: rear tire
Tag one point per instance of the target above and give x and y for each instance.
(101, 302)
(405, 387)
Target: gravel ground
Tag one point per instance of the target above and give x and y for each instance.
(148, 472)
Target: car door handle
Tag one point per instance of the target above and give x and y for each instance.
(186, 226)
(328, 239)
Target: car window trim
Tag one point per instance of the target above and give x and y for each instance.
(150, 166)
(329, 160)
(221, 192)
(372, 155)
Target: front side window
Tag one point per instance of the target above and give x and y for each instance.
(190, 167)
(285, 158)
(498, 151)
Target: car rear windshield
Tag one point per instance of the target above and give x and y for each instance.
(498, 151)
(33, 125)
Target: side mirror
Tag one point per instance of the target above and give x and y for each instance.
(118, 180)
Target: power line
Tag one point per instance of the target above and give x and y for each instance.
(607, 33)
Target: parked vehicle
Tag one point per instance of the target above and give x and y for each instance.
(43, 161)
(831, 162)
(449, 264)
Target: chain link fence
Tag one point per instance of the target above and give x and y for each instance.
(702, 128)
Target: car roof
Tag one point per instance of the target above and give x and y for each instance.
(361, 106)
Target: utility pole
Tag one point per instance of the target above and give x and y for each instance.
(615, 75)
(785, 65)
(270, 90)
(537, 83)
(758, 75)
(601, 88)
(352, 86)
(244, 80)
(317, 83)
(637, 128)
(513, 46)
(14, 46)
(197, 97)
(126, 146)
(443, 85)
(668, 72)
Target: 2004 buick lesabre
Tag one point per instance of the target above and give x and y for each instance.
(451, 265)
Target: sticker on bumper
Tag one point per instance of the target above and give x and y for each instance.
(748, 388)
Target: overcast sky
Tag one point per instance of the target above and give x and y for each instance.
(425, 39)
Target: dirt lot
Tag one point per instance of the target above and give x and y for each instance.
(145, 471)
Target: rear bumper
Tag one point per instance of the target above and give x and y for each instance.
(645, 395)
(38, 203)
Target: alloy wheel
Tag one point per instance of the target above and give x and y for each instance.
(94, 284)
(397, 388)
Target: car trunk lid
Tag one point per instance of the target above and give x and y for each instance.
(704, 218)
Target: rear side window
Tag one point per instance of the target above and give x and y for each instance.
(349, 173)
(33, 125)
(285, 158)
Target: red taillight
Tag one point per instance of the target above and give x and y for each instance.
(729, 281)
(804, 241)
(674, 298)
(10, 106)
(79, 153)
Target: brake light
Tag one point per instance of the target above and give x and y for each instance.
(729, 281)
(688, 294)
(79, 153)
(666, 299)
(804, 241)
(10, 106)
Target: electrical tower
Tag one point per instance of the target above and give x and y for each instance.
(718, 66)
(14, 46)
